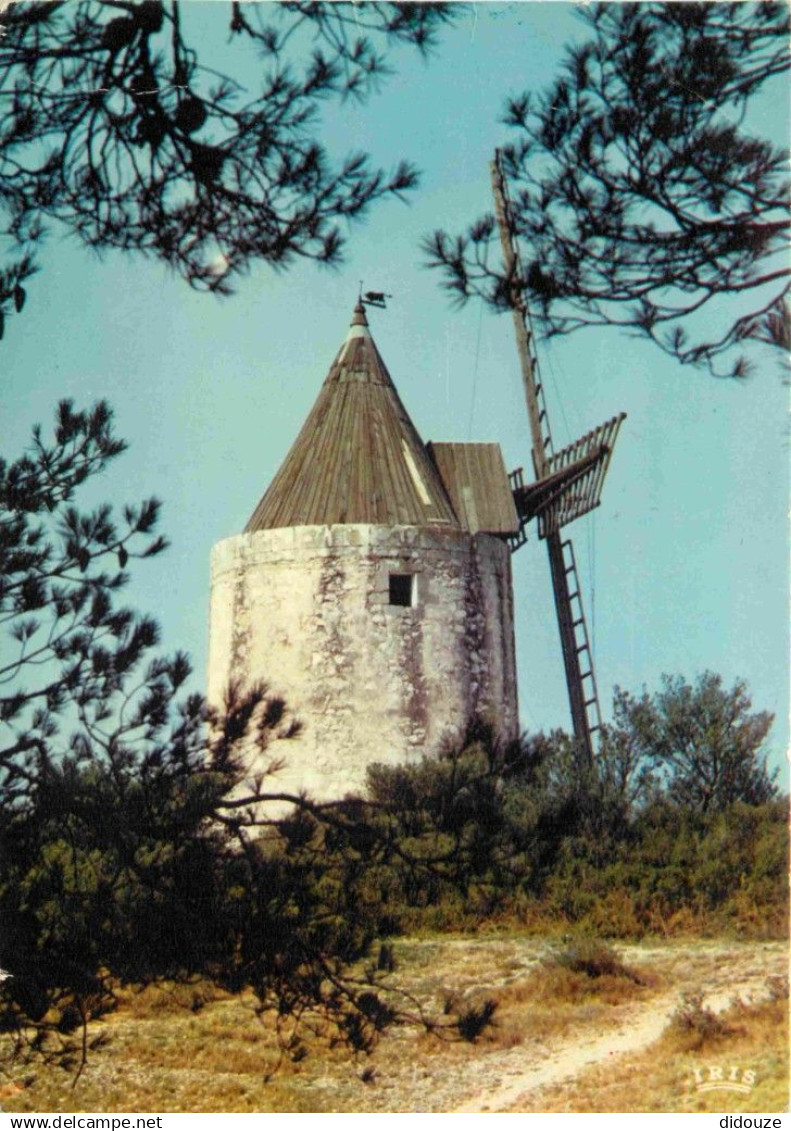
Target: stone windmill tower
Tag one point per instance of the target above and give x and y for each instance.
(371, 587)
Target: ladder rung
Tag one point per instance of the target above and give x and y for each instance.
(589, 701)
(576, 593)
(580, 621)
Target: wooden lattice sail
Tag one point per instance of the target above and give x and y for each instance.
(572, 483)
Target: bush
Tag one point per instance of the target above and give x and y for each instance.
(476, 836)
(475, 1019)
(592, 957)
(696, 1026)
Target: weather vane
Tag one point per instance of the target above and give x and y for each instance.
(374, 298)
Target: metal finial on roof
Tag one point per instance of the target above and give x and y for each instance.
(358, 318)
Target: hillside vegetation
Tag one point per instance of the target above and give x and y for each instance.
(135, 851)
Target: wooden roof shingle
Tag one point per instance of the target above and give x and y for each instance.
(358, 457)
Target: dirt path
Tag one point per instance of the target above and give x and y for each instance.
(721, 972)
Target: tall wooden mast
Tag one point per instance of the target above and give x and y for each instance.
(567, 484)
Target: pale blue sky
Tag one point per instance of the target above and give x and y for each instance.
(685, 563)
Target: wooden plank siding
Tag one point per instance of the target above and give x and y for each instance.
(476, 481)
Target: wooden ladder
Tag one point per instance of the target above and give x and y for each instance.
(575, 639)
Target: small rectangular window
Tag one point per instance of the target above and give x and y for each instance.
(402, 589)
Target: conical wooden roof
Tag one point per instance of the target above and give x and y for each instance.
(358, 458)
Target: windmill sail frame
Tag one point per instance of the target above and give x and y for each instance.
(572, 484)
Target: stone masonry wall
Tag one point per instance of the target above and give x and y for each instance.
(307, 610)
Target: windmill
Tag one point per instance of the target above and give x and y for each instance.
(567, 485)
(374, 576)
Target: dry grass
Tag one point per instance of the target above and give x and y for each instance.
(557, 986)
(192, 1049)
(749, 1042)
(169, 998)
(579, 984)
(171, 1058)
